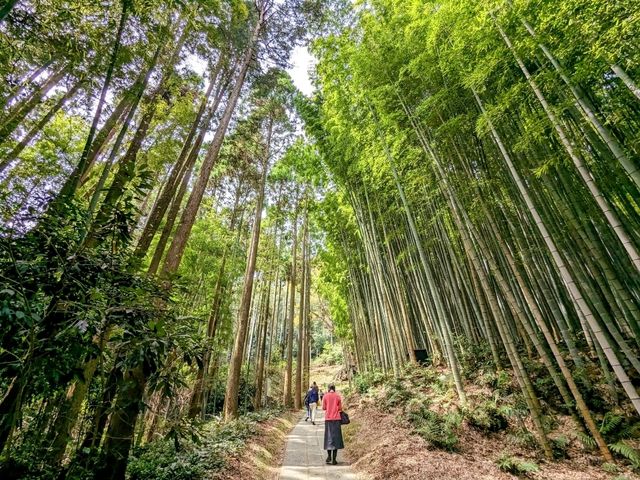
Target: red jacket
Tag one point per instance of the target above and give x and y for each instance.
(332, 404)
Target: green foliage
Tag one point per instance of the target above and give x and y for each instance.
(617, 430)
(160, 461)
(560, 446)
(514, 465)
(198, 457)
(332, 354)
(439, 430)
(397, 393)
(474, 358)
(486, 417)
(625, 450)
(586, 440)
(524, 438)
(366, 381)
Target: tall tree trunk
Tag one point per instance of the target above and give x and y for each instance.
(183, 166)
(11, 123)
(608, 212)
(297, 401)
(568, 279)
(582, 407)
(235, 365)
(176, 250)
(588, 114)
(127, 164)
(288, 401)
(70, 186)
(626, 79)
(196, 405)
(115, 453)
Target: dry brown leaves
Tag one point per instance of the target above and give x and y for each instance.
(380, 447)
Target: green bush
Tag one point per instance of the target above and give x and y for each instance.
(397, 394)
(616, 428)
(365, 381)
(523, 438)
(161, 461)
(332, 354)
(194, 460)
(515, 466)
(438, 430)
(559, 446)
(486, 418)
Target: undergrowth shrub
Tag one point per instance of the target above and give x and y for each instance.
(500, 381)
(522, 437)
(367, 380)
(486, 418)
(560, 446)
(332, 354)
(397, 394)
(515, 466)
(474, 358)
(617, 430)
(439, 430)
(196, 459)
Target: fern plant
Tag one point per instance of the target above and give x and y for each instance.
(615, 429)
(627, 451)
(515, 466)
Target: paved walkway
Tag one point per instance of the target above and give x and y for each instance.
(304, 458)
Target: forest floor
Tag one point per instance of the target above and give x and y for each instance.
(381, 444)
(263, 454)
(382, 447)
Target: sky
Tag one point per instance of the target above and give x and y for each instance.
(302, 61)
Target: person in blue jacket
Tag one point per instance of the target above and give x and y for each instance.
(311, 402)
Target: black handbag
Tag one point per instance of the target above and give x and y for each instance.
(344, 418)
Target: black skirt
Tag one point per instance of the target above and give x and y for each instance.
(333, 435)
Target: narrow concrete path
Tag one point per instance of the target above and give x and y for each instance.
(304, 458)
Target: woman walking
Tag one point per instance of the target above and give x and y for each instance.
(332, 405)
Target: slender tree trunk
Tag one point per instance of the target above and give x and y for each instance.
(297, 401)
(115, 453)
(176, 250)
(626, 79)
(235, 365)
(568, 278)
(610, 215)
(589, 115)
(187, 156)
(196, 406)
(11, 123)
(288, 401)
(127, 165)
(72, 182)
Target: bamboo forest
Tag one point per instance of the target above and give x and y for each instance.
(211, 208)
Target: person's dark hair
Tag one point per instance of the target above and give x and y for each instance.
(332, 388)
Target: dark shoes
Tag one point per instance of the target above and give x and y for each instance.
(312, 422)
(328, 460)
(334, 462)
(307, 419)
